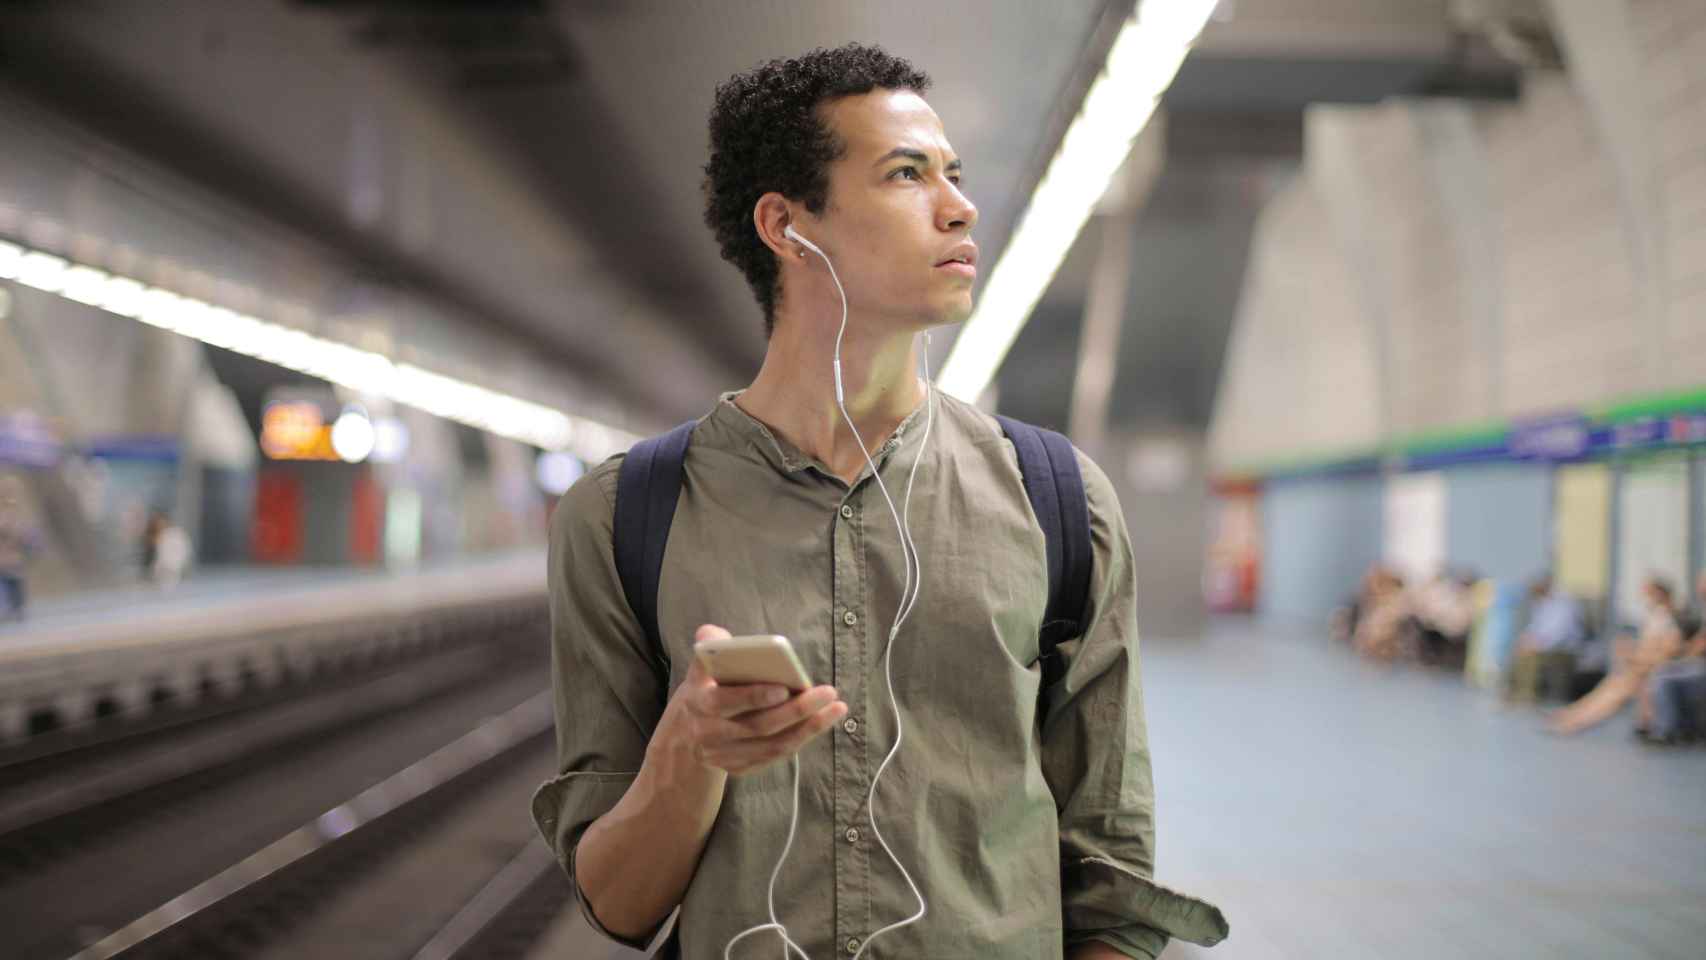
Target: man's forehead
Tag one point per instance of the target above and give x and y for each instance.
(874, 123)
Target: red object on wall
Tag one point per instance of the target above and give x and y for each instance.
(1233, 573)
(367, 502)
(277, 535)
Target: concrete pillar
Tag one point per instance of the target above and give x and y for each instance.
(1105, 310)
(1606, 68)
(1457, 171)
(1332, 158)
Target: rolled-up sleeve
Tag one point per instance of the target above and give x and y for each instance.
(606, 683)
(1095, 755)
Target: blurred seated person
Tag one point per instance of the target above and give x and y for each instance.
(1443, 613)
(1380, 626)
(1673, 704)
(1343, 623)
(1632, 663)
(1546, 649)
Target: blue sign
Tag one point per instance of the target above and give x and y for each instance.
(1551, 438)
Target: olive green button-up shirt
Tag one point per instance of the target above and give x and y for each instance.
(1027, 827)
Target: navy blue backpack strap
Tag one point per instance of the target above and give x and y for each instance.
(648, 484)
(1056, 490)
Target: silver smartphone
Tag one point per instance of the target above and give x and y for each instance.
(759, 658)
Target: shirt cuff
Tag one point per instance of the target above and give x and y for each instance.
(562, 809)
(1104, 900)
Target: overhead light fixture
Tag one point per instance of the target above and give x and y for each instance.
(361, 370)
(1141, 64)
(353, 436)
(557, 472)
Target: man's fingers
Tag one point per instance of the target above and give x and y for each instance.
(733, 701)
(746, 756)
(755, 727)
(768, 723)
(697, 679)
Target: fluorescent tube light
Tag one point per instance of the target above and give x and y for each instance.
(1141, 64)
(343, 364)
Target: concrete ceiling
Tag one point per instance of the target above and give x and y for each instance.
(560, 144)
(1233, 131)
(558, 148)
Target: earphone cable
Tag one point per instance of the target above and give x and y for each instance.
(909, 595)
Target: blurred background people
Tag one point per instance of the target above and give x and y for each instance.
(17, 541)
(1674, 705)
(1633, 662)
(1443, 614)
(1380, 623)
(1546, 650)
(170, 552)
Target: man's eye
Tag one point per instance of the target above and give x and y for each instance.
(911, 170)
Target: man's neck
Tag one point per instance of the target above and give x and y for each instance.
(794, 392)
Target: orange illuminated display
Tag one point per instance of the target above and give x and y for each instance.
(296, 431)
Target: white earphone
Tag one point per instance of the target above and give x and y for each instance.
(792, 234)
(909, 597)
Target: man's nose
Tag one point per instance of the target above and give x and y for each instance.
(958, 212)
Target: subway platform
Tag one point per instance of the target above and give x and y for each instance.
(1337, 808)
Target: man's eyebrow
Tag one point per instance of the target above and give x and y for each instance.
(916, 156)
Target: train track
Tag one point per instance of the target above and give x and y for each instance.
(383, 874)
(438, 862)
(92, 837)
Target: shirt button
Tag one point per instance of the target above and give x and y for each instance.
(850, 725)
(852, 944)
(846, 512)
(849, 618)
(852, 834)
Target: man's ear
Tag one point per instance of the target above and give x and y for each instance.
(771, 217)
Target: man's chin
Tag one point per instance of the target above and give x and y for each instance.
(957, 313)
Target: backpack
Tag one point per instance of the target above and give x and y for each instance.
(649, 484)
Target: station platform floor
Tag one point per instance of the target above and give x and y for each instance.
(1334, 808)
(221, 591)
(1337, 808)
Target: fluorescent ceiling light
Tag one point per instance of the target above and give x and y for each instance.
(1141, 64)
(361, 370)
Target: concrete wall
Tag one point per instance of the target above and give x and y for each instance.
(1323, 535)
(1498, 520)
(1439, 264)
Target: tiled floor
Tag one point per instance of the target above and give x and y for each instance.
(1334, 808)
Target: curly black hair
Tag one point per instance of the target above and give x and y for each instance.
(767, 134)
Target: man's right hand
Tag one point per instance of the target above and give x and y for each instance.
(741, 729)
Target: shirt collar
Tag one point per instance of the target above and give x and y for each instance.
(746, 430)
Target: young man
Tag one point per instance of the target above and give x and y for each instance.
(1024, 816)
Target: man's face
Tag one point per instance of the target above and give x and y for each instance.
(892, 218)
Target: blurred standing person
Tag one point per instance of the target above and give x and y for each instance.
(1546, 651)
(171, 555)
(151, 541)
(1632, 664)
(17, 542)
